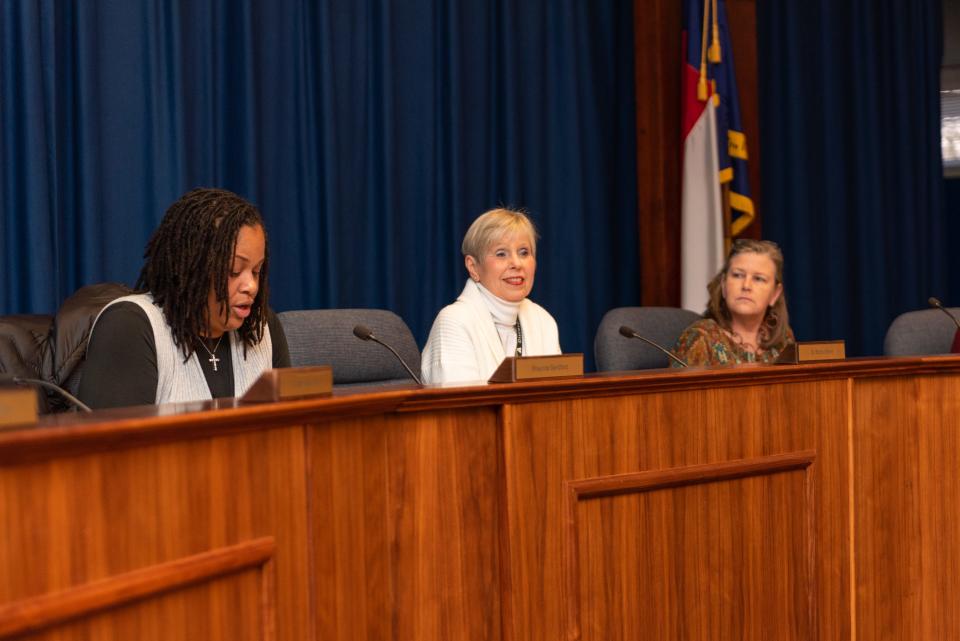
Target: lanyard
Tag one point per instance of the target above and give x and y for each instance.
(519, 337)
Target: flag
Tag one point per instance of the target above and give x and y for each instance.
(714, 149)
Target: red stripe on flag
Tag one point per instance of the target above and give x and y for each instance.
(692, 108)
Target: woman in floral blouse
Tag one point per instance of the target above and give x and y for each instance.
(746, 319)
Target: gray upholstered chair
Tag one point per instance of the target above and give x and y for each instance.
(662, 325)
(926, 331)
(325, 337)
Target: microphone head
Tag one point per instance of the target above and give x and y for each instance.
(934, 302)
(627, 331)
(363, 332)
(6, 377)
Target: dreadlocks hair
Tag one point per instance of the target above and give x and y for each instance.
(190, 252)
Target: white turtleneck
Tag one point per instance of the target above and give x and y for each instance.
(465, 346)
(504, 315)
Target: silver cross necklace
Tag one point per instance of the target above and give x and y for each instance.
(213, 360)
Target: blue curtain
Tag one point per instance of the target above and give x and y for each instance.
(950, 294)
(370, 133)
(852, 177)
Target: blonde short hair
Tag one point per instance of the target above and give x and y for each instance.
(493, 225)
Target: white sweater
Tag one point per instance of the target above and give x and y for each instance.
(180, 382)
(465, 346)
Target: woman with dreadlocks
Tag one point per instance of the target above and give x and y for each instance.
(200, 327)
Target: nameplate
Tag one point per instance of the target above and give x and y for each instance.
(533, 368)
(290, 383)
(813, 352)
(18, 407)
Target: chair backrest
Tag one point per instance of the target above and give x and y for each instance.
(52, 348)
(926, 331)
(25, 344)
(662, 325)
(25, 349)
(325, 337)
(71, 331)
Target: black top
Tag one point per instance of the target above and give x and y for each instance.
(121, 361)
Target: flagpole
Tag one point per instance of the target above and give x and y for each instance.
(727, 217)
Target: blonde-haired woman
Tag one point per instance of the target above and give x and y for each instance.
(746, 319)
(492, 318)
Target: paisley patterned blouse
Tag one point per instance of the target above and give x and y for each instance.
(705, 343)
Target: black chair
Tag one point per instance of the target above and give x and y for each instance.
(926, 331)
(52, 348)
(662, 325)
(325, 337)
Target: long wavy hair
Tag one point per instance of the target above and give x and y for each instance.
(776, 322)
(190, 252)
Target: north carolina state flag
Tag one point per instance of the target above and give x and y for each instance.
(714, 149)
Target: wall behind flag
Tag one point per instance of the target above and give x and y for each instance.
(369, 133)
(658, 85)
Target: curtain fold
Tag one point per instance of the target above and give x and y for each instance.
(852, 176)
(369, 133)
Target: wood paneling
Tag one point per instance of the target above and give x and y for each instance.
(225, 608)
(677, 554)
(547, 445)
(815, 501)
(71, 522)
(907, 507)
(405, 534)
(657, 72)
(35, 613)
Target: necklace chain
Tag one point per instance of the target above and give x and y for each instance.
(213, 360)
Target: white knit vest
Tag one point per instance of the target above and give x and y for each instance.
(179, 381)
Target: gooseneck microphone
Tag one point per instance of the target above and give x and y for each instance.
(935, 302)
(364, 333)
(17, 380)
(630, 333)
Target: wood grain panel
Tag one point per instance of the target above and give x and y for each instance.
(675, 554)
(225, 608)
(72, 521)
(48, 610)
(548, 444)
(907, 507)
(444, 513)
(405, 526)
(657, 73)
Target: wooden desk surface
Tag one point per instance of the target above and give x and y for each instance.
(757, 502)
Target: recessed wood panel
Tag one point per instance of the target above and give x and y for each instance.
(72, 521)
(547, 445)
(227, 608)
(92, 598)
(715, 551)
